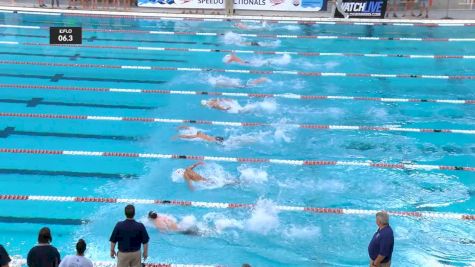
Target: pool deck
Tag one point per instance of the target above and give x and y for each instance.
(458, 16)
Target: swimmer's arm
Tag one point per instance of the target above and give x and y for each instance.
(190, 185)
(196, 164)
(185, 136)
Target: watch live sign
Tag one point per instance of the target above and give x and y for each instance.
(65, 35)
(363, 8)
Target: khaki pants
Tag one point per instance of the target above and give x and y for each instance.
(129, 259)
(386, 264)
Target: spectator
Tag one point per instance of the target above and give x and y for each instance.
(129, 234)
(409, 7)
(424, 5)
(43, 254)
(392, 5)
(41, 3)
(4, 258)
(380, 248)
(77, 260)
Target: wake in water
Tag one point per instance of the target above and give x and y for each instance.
(231, 38)
(221, 81)
(214, 177)
(245, 26)
(282, 60)
(233, 106)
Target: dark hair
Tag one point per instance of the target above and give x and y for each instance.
(44, 236)
(152, 215)
(219, 139)
(129, 211)
(246, 265)
(81, 246)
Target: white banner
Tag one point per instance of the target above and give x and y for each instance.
(271, 5)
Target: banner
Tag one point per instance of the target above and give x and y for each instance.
(362, 8)
(271, 5)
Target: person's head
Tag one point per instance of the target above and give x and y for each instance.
(204, 102)
(152, 215)
(382, 218)
(129, 211)
(81, 246)
(44, 236)
(219, 139)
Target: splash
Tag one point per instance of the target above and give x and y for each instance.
(302, 232)
(283, 60)
(266, 106)
(283, 131)
(225, 82)
(252, 175)
(238, 140)
(291, 28)
(264, 217)
(231, 38)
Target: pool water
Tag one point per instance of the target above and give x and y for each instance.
(262, 236)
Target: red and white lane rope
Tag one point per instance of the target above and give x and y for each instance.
(254, 35)
(328, 127)
(257, 52)
(354, 163)
(224, 205)
(237, 94)
(242, 71)
(20, 262)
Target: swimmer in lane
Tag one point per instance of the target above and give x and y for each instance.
(225, 82)
(232, 58)
(191, 176)
(254, 82)
(166, 223)
(192, 133)
(224, 104)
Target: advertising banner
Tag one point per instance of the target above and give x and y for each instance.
(362, 8)
(271, 5)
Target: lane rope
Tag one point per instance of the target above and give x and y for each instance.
(257, 52)
(242, 71)
(329, 127)
(237, 94)
(224, 205)
(254, 35)
(354, 163)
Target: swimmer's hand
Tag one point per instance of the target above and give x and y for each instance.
(113, 253)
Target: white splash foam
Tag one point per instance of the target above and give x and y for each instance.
(187, 222)
(302, 232)
(252, 175)
(264, 217)
(225, 223)
(231, 38)
(216, 177)
(283, 60)
(225, 82)
(266, 106)
(176, 176)
(238, 140)
(291, 27)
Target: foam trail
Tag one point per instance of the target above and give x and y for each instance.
(264, 217)
(266, 106)
(221, 81)
(291, 27)
(252, 175)
(283, 60)
(238, 140)
(231, 38)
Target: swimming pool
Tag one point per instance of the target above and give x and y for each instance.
(331, 98)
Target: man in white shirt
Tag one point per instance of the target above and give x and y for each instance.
(77, 260)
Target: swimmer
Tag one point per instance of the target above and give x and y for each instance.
(224, 104)
(233, 58)
(198, 135)
(166, 223)
(241, 26)
(254, 82)
(191, 176)
(225, 82)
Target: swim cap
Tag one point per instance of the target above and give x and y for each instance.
(204, 102)
(219, 139)
(152, 215)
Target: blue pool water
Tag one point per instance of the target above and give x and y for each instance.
(261, 237)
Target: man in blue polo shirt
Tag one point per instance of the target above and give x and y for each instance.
(380, 248)
(130, 235)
